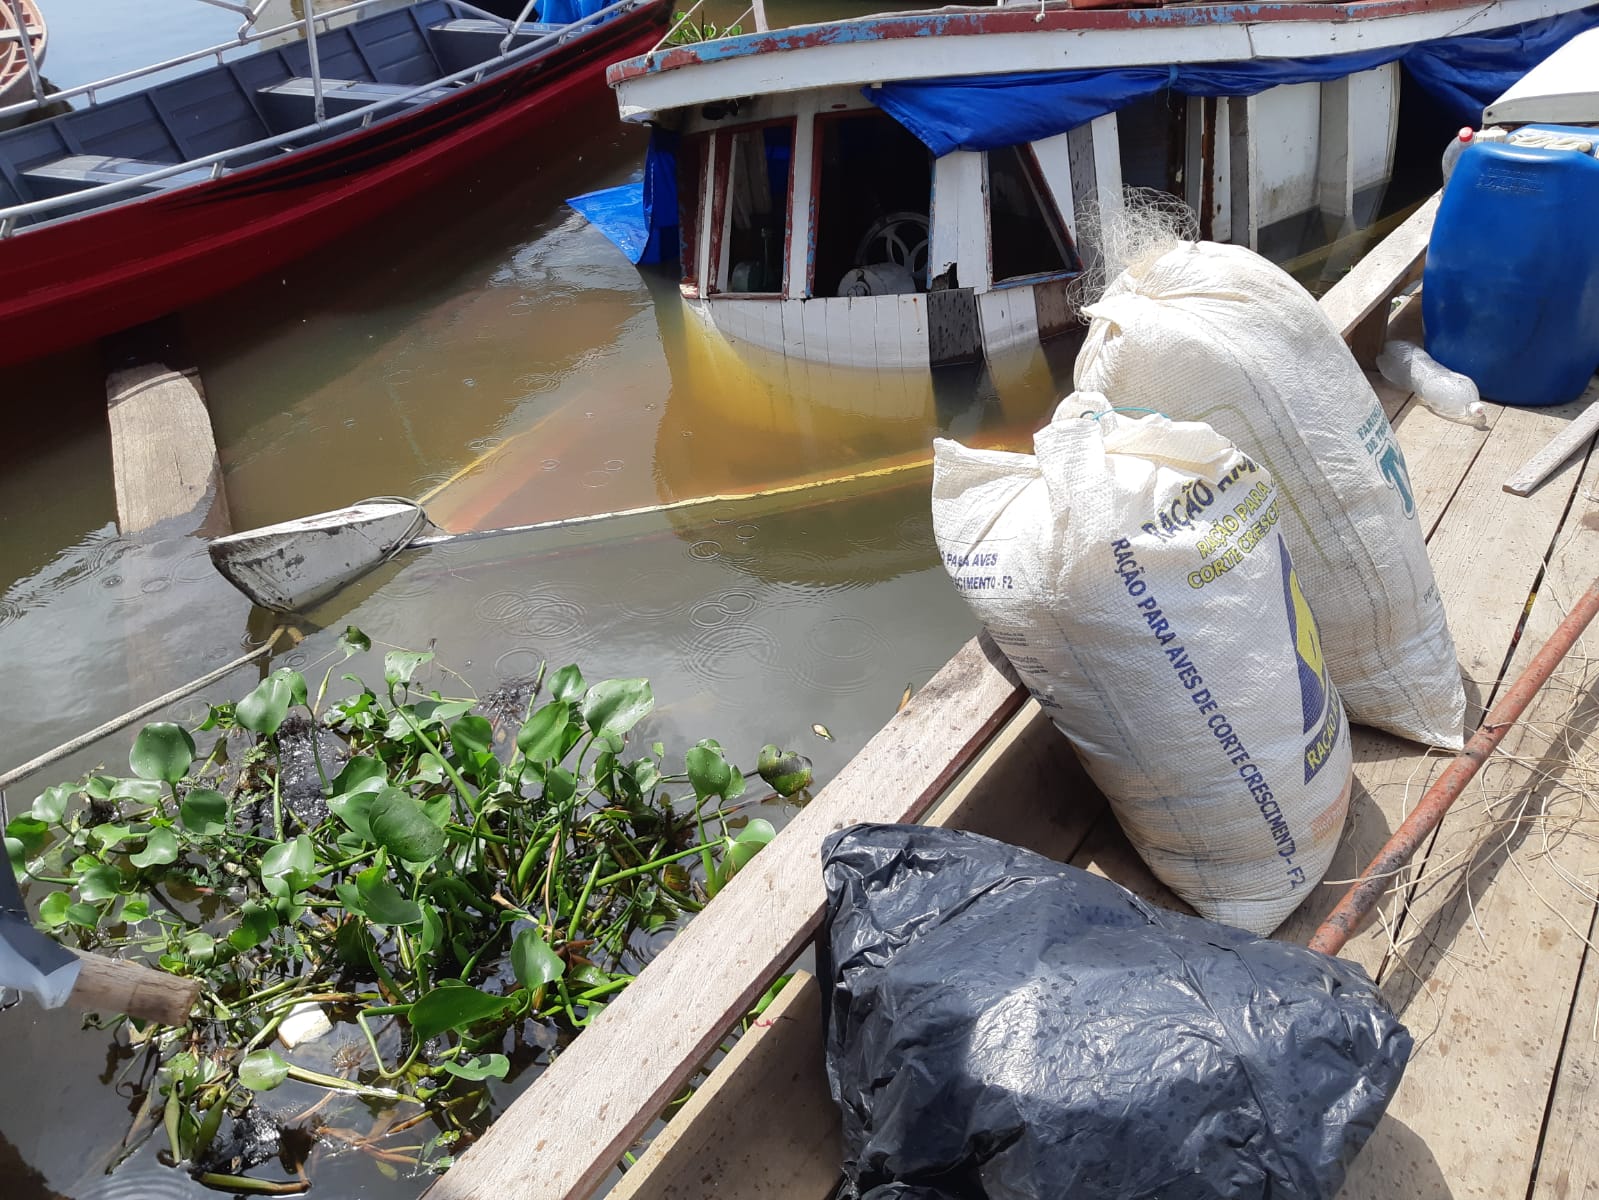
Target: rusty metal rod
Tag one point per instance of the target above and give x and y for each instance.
(1357, 904)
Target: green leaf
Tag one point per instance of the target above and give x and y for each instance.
(262, 1070)
(353, 641)
(361, 774)
(750, 839)
(135, 909)
(381, 901)
(32, 834)
(784, 771)
(256, 923)
(560, 785)
(99, 883)
(567, 683)
(543, 735)
(51, 805)
(453, 1005)
(472, 735)
(53, 910)
(289, 867)
(144, 791)
(401, 827)
(111, 835)
(616, 705)
(17, 855)
(162, 751)
(204, 812)
(264, 709)
(199, 945)
(490, 1066)
(160, 847)
(99, 787)
(709, 771)
(432, 935)
(355, 810)
(533, 962)
(86, 916)
(400, 665)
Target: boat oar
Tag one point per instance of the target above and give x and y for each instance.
(57, 976)
(290, 566)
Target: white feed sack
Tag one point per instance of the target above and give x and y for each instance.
(1136, 576)
(1213, 333)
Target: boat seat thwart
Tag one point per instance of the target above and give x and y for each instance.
(468, 41)
(79, 172)
(291, 103)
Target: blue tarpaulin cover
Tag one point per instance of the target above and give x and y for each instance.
(990, 111)
(564, 12)
(640, 218)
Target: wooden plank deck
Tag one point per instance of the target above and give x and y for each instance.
(1485, 946)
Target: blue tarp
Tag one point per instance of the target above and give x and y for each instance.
(640, 218)
(987, 112)
(564, 12)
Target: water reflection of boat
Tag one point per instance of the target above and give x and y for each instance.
(909, 190)
(140, 204)
(22, 42)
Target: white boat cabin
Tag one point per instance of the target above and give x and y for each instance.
(815, 225)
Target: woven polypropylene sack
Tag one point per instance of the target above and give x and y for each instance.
(1217, 334)
(1135, 574)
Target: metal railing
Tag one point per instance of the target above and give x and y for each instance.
(245, 38)
(361, 117)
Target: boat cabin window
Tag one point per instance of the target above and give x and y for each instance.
(753, 184)
(1026, 234)
(690, 189)
(874, 192)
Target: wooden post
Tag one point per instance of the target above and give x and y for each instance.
(116, 985)
(163, 453)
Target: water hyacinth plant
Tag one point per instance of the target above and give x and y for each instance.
(454, 888)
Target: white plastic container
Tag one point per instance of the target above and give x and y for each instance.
(1447, 393)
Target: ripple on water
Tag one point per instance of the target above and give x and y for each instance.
(540, 615)
(840, 655)
(732, 650)
(652, 595)
(138, 1180)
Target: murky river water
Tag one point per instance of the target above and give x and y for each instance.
(488, 349)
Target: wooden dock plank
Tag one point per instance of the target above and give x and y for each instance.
(1568, 1168)
(1494, 937)
(561, 1136)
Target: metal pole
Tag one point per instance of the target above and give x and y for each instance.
(27, 50)
(527, 10)
(316, 62)
(1357, 904)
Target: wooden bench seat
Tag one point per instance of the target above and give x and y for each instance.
(291, 103)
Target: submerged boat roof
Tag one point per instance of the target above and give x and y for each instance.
(1562, 90)
(964, 41)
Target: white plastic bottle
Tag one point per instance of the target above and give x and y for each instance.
(1455, 149)
(1450, 394)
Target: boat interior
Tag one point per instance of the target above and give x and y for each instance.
(246, 110)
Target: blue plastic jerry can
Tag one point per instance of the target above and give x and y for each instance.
(1510, 294)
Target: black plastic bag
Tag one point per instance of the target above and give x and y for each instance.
(1003, 1027)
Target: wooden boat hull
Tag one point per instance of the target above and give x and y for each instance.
(14, 84)
(69, 282)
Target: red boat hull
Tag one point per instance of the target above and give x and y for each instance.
(66, 284)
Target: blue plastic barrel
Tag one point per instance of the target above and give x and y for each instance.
(1510, 296)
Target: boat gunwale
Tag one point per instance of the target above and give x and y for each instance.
(358, 120)
(966, 21)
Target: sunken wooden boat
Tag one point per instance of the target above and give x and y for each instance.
(913, 190)
(135, 205)
(22, 42)
(1482, 946)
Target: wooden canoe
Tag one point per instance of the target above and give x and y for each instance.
(14, 82)
(1481, 950)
